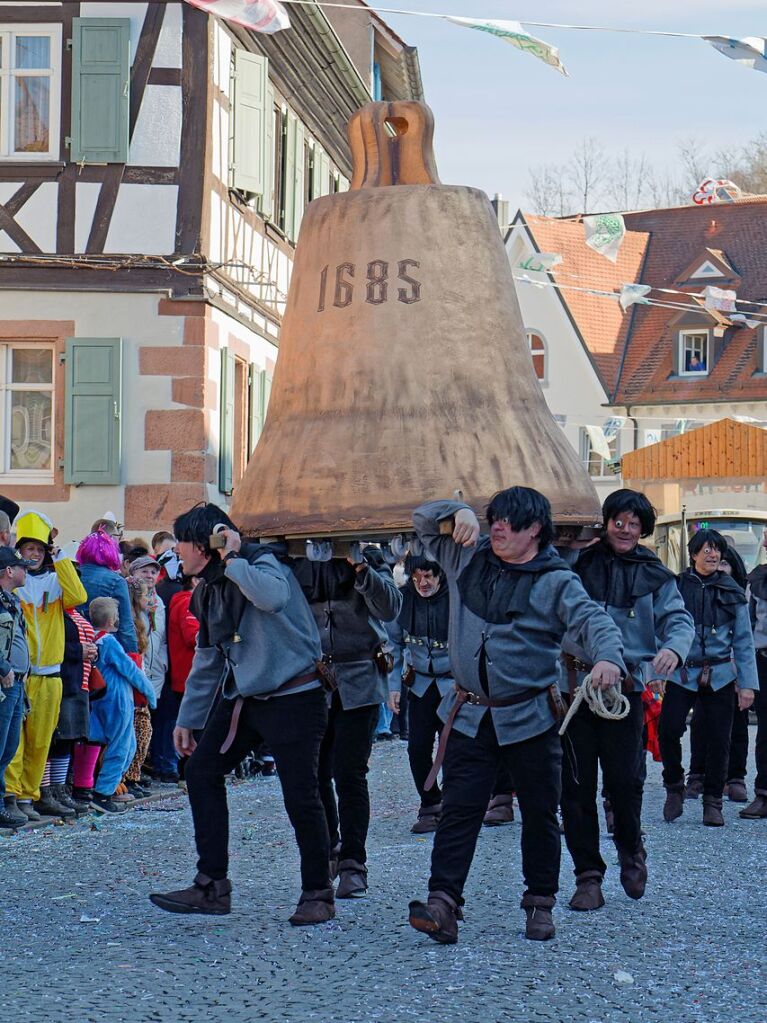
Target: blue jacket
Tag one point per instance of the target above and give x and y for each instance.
(103, 582)
(109, 713)
(520, 644)
(424, 652)
(722, 632)
(647, 608)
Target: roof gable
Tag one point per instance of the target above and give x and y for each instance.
(709, 265)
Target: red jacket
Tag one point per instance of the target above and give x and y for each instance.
(182, 632)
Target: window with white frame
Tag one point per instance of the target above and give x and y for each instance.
(537, 348)
(26, 412)
(693, 352)
(30, 91)
(594, 447)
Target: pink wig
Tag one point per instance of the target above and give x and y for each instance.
(99, 549)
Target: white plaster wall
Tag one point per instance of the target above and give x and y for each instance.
(157, 138)
(222, 58)
(168, 52)
(144, 220)
(38, 216)
(220, 142)
(86, 197)
(133, 317)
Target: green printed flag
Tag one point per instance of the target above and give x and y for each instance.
(512, 32)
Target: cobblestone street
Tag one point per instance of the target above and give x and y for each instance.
(82, 942)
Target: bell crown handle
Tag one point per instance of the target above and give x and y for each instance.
(392, 144)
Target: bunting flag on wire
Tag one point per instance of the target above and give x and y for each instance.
(634, 294)
(749, 51)
(720, 299)
(267, 16)
(513, 33)
(605, 233)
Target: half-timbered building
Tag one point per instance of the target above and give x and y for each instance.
(155, 164)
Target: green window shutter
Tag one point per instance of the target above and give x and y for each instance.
(92, 399)
(266, 390)
(249, 122)
(100, 90)
(267, 203)
(320, 167)
(289, 176)
(255, 404)
(226, 436)
(298, 184)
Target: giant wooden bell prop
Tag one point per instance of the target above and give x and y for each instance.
(403, 371)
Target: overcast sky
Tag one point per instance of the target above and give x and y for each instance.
(499, 111)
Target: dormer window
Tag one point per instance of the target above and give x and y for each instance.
(694, 354)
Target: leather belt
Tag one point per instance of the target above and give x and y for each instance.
(710, 661)
(293, 683)
(475, 700)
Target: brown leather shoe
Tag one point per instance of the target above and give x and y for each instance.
(756, 809)
(674, 805)
(633, 873)
(314, 908)
(500, 810)
(694, 789)
(353, 883)
(204, 896)
(735, 790)
(438, 918)
(588, 892)
(712, 812)
(428, 819)
(539, 923)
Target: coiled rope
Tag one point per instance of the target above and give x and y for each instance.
(610, 703)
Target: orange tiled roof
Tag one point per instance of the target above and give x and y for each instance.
(633, 352)
(600, 321)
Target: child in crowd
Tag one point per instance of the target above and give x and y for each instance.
(112, 716)
(142, 719)
(182, 640)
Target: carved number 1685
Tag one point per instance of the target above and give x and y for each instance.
(376, 284)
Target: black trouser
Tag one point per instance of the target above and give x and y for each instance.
(717, 708)
(293, 726)
(760, 708)
(738, 759)
(504, 783)
(424, 727)
(469, 773)
(589, 742)
(344, 757)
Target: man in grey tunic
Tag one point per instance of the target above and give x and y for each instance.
(511, 601)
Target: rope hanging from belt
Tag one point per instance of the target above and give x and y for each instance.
(609, 704)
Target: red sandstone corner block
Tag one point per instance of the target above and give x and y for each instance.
(171, 362)
(174, 430)
(187, 467)
(156, 505)
(189, 391)
(180, 307)
(201, 332)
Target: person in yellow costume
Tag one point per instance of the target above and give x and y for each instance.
(52, 586)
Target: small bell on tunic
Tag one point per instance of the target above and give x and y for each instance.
(631, 613)
(237, 638)
(713, 630)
